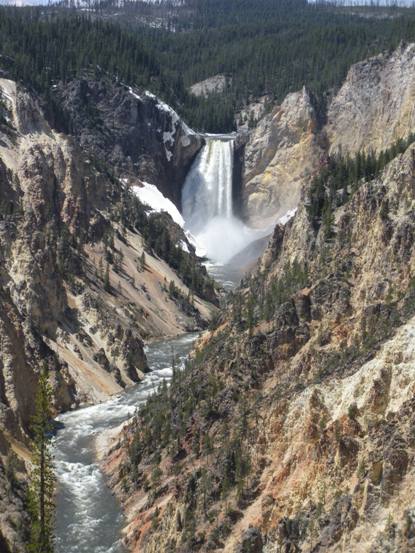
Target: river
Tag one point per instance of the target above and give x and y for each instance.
(88, 516)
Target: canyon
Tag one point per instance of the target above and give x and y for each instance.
(84, 280)
(293, 420)
(291, 427)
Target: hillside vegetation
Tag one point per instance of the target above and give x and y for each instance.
(266, 47)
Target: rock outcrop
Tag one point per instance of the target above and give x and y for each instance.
(287, 146)
(281, 155)
(367, 113)
(136, 133)
(213, 85)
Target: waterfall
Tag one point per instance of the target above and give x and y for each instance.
(207, 192)
(207, 202)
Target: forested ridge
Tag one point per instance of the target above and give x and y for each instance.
(266, 47)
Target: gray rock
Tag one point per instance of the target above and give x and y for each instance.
(137, 134)
(251, 542)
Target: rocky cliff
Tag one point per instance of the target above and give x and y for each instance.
(368, 113)
(289, 144)
(86, 271)
(281, 153)
(292, 427)
(135, 132)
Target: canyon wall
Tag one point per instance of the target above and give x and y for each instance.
(288, 145)
(136, 133)
(87, 273)
(281, 154)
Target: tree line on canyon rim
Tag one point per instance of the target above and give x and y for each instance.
(265, 47)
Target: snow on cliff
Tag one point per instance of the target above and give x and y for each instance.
(151, 196)
(169, 135)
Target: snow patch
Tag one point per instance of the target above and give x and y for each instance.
(151, 196)
(131, 91)
(287, 216)
(8, 90)
(184, 246)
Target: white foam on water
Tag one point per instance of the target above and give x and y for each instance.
(223, 237)
(89, 519)
(207, 202)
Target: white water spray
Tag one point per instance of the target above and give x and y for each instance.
(207, 202)
(207, 192)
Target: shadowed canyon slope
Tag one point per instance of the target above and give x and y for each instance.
(137, 134)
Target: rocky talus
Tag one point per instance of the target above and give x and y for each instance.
(292, 429)
(212, 85)
(82, 279)
(372, 109)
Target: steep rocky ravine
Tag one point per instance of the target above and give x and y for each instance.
(292, 427)
(87, 273)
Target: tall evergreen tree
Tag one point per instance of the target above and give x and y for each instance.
(41, 491)
(107, 282)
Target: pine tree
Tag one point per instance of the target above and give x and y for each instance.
(143, 261)
(107, 283)
(41, 491)
(250, 314)
(100, 268)
(172, 290)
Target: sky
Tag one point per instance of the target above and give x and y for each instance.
(344, 2)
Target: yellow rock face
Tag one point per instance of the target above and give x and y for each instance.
(287, 146)
(281, 154)
(375, 105)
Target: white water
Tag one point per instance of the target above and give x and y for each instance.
(207, 202)
(207, 192)
(88, 517)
